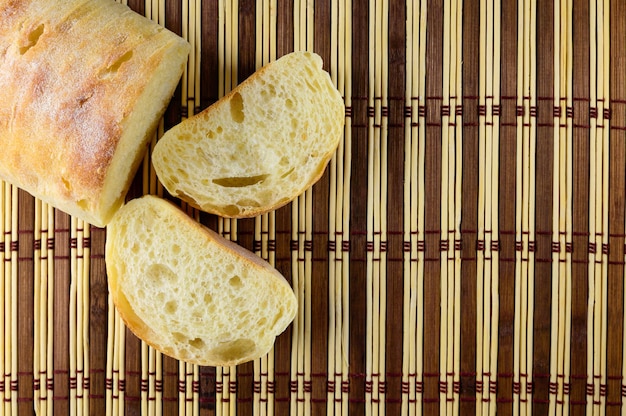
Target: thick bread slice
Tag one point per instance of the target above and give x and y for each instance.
(260, 146)
(83, 84)
(189, 292)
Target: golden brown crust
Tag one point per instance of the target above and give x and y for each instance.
(70, 76)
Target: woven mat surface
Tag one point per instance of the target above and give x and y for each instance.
(463, 253)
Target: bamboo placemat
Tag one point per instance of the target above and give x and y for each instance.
(463, 254)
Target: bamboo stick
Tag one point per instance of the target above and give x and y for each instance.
(5, 227)
(411, 138)
(49, 375)
(531, 206)
(593, 333)
(13, 380)
(458, 188)
(603, 28)
(481, 221)
(495, 257)
(445, 206)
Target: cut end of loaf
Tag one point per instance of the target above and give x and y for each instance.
(82, 86)
(190, 293)
(260, 146)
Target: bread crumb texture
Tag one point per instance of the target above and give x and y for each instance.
(190, 293)
(260, 146)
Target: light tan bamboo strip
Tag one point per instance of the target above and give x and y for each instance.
(409, 319)
(529, 186)
(42, 359)
(421, 206)
(8, 345)
(458, 188)
(445, 171)
(308, 290)
(345, 85)
(73, 318)
(603, 29)
(77, 317)
(13, 303)
(495, 175)
(556, 211)
(85, 295)
(373, 310)
(5, 224)
(480, 254)
(596, 214)
(569, 198)
(491, 312)
(524, 207)
(50, 313)
(339, 207)
(334, 268)
(298, 271)
(44, 295)
(531, 205)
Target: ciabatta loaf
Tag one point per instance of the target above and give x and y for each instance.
(83, 84)
(258, 147)
(189, 292)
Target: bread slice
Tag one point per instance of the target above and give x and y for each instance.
(83, 84)
(260, 146)
(189, 292)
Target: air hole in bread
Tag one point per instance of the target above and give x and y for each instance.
(236, 108)
(312, 86)
(231, 350)
(289, 103)
(82, 204)
(235, 282)
(210, 134)
(171, 307)
(197, 343)
(66, 184)
(160, 274)
(33, 38)
(175, 249)
(208, 299)
(230, 210)
(182, 173)
(289, 172)
(247, 202)
(201, 153)
(240, 181)
(115, 66)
